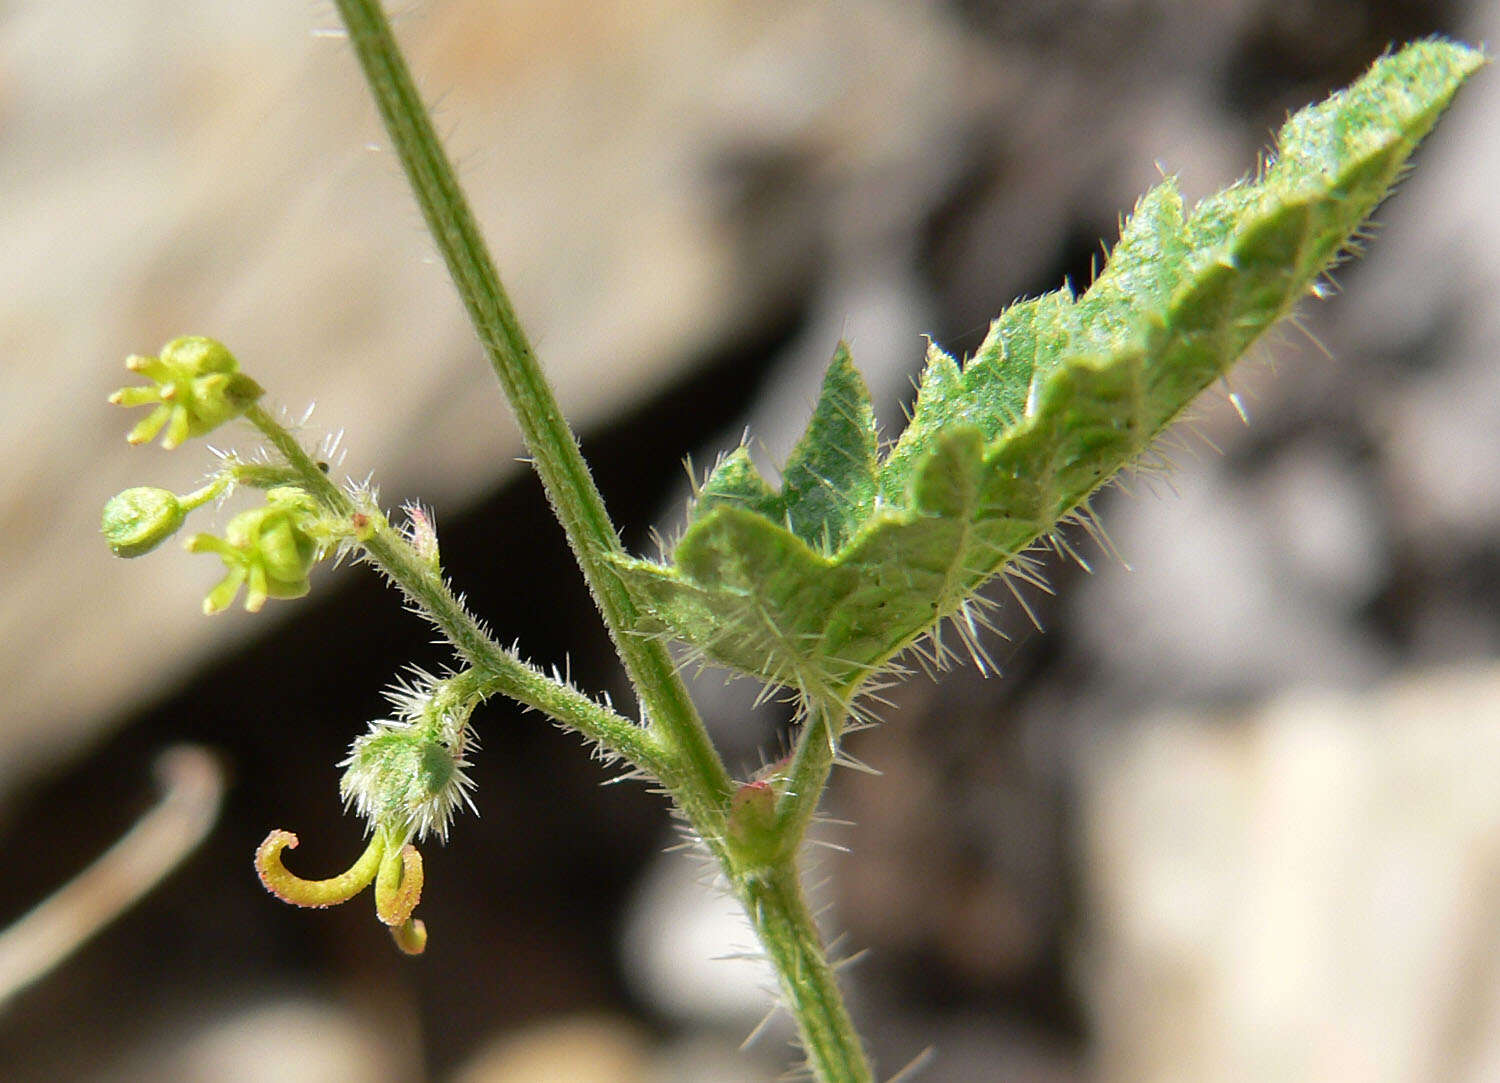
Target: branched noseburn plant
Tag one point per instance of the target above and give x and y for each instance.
(815, 587)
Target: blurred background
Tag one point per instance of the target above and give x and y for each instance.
(1232, 816)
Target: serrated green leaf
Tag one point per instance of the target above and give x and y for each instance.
(819, 585)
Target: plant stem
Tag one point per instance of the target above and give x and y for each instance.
(687, 763)
(807, 774)
(570, 487)
(503, 671)
(777, 908)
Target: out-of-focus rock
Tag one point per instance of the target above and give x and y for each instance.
(607, 1050)
(292, 1040)
(579, 1050)
(1307, 891)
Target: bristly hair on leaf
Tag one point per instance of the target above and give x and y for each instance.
(819, 585)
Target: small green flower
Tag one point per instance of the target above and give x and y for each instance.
(270, 550)
(196, 387)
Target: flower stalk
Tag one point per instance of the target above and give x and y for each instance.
(552, 446)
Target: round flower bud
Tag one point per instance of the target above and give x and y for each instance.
(138, 520)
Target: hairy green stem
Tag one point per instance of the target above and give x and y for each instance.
(554, 450)
(807, 774)
(301, 470)
(774, 901)
(688, 765)
(503, 671)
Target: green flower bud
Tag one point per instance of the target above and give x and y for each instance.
(269, 550)
(138, 520)
(196, 387)
(752, 833)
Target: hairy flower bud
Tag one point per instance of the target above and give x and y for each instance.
(406, 778)
(752, 830)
